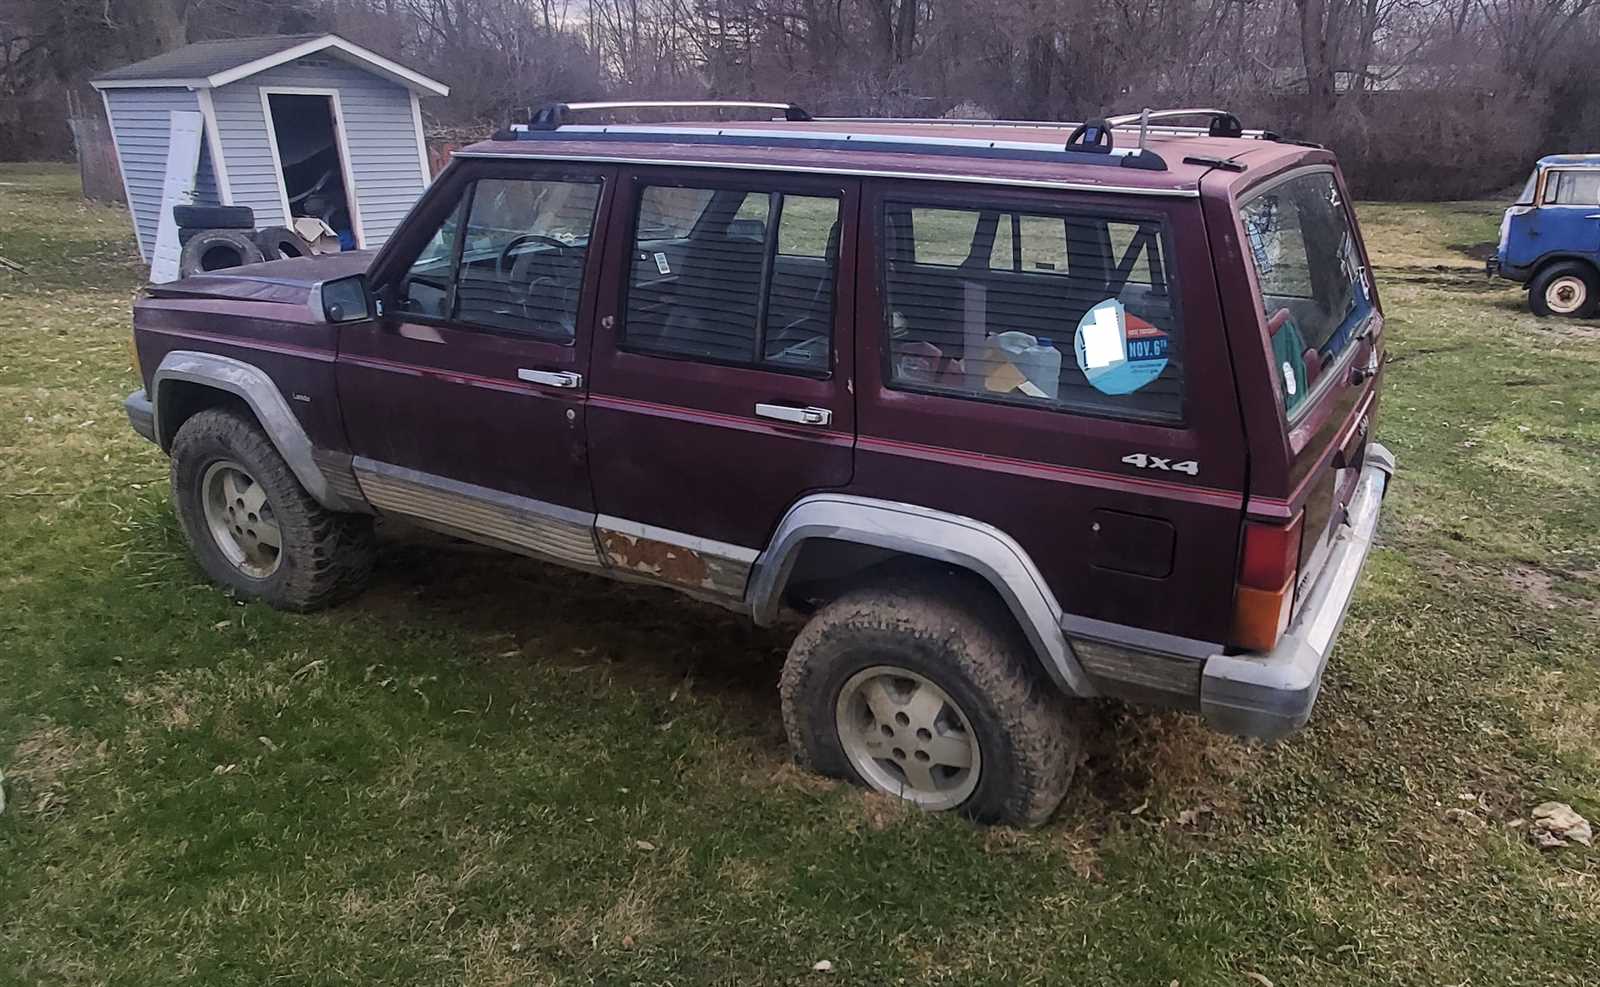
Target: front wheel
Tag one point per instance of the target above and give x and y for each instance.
(1568, 289)
(933, 699)
(251, 525)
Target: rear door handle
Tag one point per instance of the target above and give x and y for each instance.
(820, 417)
(551, 378)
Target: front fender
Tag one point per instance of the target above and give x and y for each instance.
(252, 385)
(949, 538)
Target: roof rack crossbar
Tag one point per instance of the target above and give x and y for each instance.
(553, 116)
(1222, 122)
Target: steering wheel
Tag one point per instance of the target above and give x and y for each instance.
(550, 300)
(517, 241)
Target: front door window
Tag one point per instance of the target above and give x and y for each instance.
(510, 257)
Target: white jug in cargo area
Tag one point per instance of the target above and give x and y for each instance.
(1018, 361)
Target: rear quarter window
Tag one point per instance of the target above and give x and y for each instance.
(1067, 311)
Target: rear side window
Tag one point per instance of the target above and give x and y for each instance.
(747, 279)
(1065, 311)
(1315, 290)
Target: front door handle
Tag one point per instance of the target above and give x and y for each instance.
(551, 378)
(820, 417)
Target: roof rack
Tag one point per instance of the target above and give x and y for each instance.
(1221, 125)
(553, 116)
(1090, 143)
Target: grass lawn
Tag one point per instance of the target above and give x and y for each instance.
(487, 771)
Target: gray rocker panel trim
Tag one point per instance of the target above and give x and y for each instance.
(255, 387)
(520, 524)
(950, 538)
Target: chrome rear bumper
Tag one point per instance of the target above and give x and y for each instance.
(1270, 695)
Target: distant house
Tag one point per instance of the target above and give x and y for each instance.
(296, 125)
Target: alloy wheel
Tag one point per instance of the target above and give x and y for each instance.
(241, 522)
(906, 737)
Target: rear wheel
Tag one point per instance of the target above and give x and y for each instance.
(932, 699)
(252, 526)
(1568, 289)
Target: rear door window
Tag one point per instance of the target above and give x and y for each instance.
(742, 277)
(1315, 289)
(1069, 311)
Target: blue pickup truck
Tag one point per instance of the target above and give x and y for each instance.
(1550, 238)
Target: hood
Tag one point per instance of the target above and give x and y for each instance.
(286, 281)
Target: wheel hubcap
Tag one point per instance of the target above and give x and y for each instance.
(907, 737)
(241, 522)
(1566, 295)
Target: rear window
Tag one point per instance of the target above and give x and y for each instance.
(1068, 311)
(1315, 290)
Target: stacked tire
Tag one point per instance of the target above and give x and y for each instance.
(216, 238)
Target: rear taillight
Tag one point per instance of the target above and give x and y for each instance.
(1265, 593)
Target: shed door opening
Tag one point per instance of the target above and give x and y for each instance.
(306, 130)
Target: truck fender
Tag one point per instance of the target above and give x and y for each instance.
(252, 385)
(942, 537)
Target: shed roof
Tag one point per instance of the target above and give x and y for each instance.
(209, 64)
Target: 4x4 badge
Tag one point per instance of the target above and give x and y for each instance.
(1146, 462)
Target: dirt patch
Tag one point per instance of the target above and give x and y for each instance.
(1536, 586)
(1481, 250)
(40, 765)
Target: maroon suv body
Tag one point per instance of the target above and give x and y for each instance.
(1109, 409)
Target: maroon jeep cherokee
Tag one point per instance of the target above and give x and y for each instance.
(1014, 414)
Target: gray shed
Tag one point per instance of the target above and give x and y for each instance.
(294, 125)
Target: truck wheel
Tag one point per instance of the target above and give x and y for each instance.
(1570, 289)
(252, 526)
(931, 699)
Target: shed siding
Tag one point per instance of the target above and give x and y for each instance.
(378, 129)
(141, 122)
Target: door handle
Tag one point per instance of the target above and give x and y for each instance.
(551, 378)
(820, 417)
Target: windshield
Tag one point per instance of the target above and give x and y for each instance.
(1315, 290)
(1528, 190)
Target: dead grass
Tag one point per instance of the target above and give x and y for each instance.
(449, 781)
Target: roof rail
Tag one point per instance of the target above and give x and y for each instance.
(552, 116)
(1121, 122)
(1089, 144)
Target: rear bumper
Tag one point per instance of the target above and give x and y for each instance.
(141, 414)
(1270, 695)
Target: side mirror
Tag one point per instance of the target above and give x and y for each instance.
(347, 299)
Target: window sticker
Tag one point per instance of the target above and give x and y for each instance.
(1118, 352)
(661, 263)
